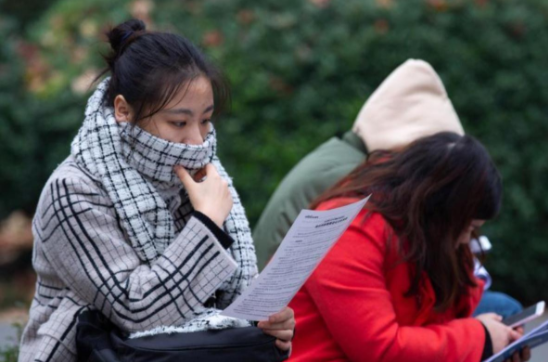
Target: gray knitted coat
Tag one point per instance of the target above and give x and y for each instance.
(84, 260)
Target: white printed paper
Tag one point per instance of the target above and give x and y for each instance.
(307, 242)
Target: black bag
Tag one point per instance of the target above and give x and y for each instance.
(98, 339)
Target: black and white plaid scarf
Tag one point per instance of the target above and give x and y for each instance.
(136, 170)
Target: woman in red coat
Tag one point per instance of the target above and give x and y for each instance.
(398, 285)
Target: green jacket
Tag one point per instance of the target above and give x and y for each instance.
(314, 174)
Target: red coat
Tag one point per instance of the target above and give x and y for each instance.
(353, 308)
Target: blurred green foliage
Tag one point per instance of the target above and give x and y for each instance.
(10, 352)
(300, 71)
(25, 11)
(33, 132)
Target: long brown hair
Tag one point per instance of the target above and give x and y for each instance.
(429, 192)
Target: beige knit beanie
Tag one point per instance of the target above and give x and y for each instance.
(411, 103)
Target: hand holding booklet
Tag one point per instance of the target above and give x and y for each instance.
(534, 338)
(307, 242)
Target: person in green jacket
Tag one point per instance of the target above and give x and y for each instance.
(411, 103)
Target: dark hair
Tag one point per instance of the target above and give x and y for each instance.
(149, 68)
(429, 192)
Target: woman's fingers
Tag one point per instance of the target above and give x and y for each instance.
(184, 176)
(283, 334)
(211, 170)
(280, 325)
(283, 345)
(526, 354)
(521, 356)
(211, 196)
(514, 335)
(288, 324)
(284, 316)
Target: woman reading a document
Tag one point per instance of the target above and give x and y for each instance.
(141, 222)
(399, 284)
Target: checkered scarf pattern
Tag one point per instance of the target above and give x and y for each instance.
(136, 169)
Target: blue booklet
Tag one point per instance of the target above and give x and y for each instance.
(534, 338)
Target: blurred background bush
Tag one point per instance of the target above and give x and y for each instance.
(300, 71)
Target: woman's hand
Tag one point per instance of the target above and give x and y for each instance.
(211, 196)
(521, 356)
(501, 335)
(281, 326)
(524, 354)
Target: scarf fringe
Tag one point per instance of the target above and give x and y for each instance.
(208, 320)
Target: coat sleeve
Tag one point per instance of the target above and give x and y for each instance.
(83, 241)
(350, 292)
(242, 250)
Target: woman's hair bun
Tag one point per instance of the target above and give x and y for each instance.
(122, 32)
